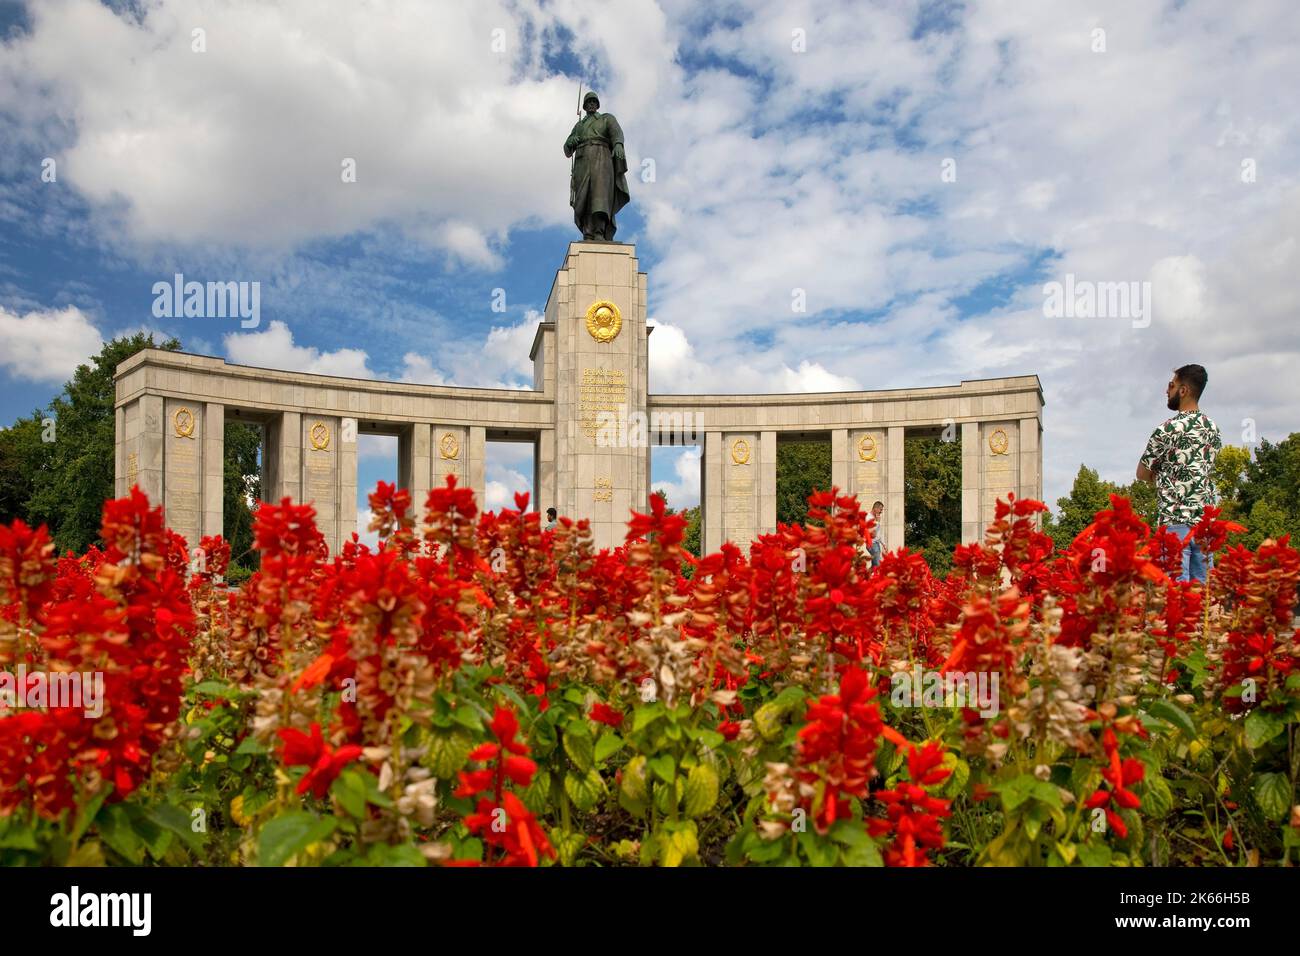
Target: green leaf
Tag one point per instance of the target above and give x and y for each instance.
(584, 789)
(711, 739)
(216, 688)
(87, 854)
(403, 854)
(609, 743)
(538, 795)
(250, 745)
(290, 834)
(663, 767)
(643, 717)
(1157, 798)
(679, 844)
(178, 820)
(1094, 853)
(1172, 714)
(468, 717)
(859, 848)
(448, 750)
(1261, 727)
(633, 793)
(665, 799)
(767, 720)
(957, 780)
(701, 790)
(579, 745)
(350, 791)
(17, 836)
(114, 825)
(568, 844)
(1272, 794)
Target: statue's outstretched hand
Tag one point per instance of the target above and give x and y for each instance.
(618, 153)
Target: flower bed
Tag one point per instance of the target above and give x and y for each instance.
(479, 691)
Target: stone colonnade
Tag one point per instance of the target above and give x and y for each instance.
(590, 417)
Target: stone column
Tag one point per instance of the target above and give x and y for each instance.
(347, 465)
(999, 456)
(320, 448)
(742, 473)
(840, 462)
(476, 465)
(450, 454)
(214, 467)
(971, 531)
(544, 472)
(766, 473)
(120, 487)
(601, 454)
(894, 503)
(1031, 459)
(414, 466)
(282, 458)
(142, 448)
(184, 428)
(711, 493)
(867, 472)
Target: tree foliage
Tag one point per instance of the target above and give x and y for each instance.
(802, 467)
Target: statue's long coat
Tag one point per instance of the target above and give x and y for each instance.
(599, 180)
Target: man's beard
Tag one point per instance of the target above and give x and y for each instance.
(1173, 402)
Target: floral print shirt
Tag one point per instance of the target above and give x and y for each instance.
(1181, 452)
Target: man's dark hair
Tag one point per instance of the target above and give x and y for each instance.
(550, 512)
(874, 503)
(1194, 377)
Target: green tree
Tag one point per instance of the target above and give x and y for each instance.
(242, 484)
(801, 468)
(1230, 466)
(77, 476)
(931, 500)
(23, 459)
(1268, 496)
(1090, 494)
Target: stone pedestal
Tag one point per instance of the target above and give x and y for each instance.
(599, 361)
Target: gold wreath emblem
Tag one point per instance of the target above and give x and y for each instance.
(998, 442)
(740, 451)
(604, 321)
(320, 436)
(866, 448)
(448, 446)
(183, 423)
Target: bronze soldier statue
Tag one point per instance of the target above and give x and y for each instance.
(598, 188)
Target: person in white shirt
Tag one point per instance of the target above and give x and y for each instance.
(877, 533)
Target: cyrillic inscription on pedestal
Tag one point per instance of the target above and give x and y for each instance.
(183, 468)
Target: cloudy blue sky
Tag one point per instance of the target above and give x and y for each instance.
(796, 144)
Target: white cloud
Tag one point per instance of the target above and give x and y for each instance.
(377, 447)
(780, 177)
(367, 536)
(684, 491)
(274, 348)
(46, 345)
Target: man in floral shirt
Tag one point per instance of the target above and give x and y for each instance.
(1179, 459)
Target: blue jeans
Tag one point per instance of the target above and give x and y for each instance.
(1196, 564)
